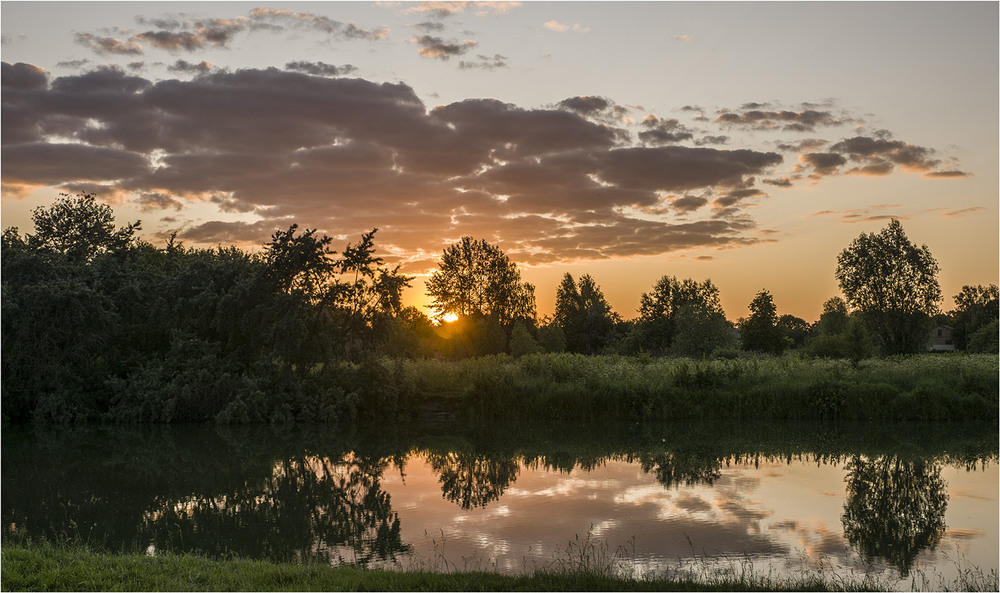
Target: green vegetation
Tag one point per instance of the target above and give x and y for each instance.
(99, 326)
(573, 386)
(49, 568)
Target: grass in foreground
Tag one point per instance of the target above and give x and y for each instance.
(48, 568)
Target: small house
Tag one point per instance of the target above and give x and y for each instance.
(941, 339)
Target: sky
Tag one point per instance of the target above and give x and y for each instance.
(747, 143)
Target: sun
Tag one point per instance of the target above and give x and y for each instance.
(449, 317)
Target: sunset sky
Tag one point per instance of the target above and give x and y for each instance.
(744, 142)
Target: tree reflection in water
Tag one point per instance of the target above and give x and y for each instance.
(687, 468)
(308, 508)
(894, 508)
(470, 480)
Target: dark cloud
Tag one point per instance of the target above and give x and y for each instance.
(689, 203)
(949, 174)
(157, 201)
(22, 76)
(720, 140)
(586, 105)
(348, 154)
(879, 154)
(436, 47)
(201, 67)
(794, 121)
(181, 33)
(734, 197)
(429, 27)
(108, 45)
(808, 145)
(778, 181)
(73, 63)
(824, 163)
(663, 131)
(484, 63)
(172, 41)
(335, 28)
(320, 68)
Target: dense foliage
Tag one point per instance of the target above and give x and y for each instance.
(98, 325)
(893, 285)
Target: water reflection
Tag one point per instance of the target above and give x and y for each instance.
(320, 494)
(471, 480)
(894, 508)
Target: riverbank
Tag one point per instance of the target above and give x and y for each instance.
(568, 386)
(50, 568)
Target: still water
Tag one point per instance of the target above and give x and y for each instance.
(902, 502)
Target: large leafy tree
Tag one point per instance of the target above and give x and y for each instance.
(657, 324)
(893, 284)
(760, 331)
(79, 227)
(584, 315)
(476, 279)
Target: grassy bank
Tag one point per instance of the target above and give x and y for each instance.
(49, 568)
(568, 386)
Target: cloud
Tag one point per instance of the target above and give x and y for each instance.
(880, 154)
(108, 45)
(824, 163)
(689, 203)
(585, 105)
(187, 67)
(176, 33)
(484, 63)
(157, 201)
(320, 68)
(561, 28)
(446, 9)
(663, 131)
(949, 174)
(566, 182)
(711, 140)
(755, 118)
(869, 214)
(435, 47)
(429, 26)
(956, 213)
(73, 63)
(321, 23)
(22, 76)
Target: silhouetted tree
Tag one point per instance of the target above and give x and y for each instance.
(760, 331)
(834, 318)
(655, 329)
(976, 307)
(584, 315)
(476, 279)
(699, 332)
(796, 330)
(893, 284)
(79, 227)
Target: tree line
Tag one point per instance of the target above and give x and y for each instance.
(96, 319)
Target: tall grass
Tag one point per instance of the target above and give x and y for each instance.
(586, 563)
(573, 386)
